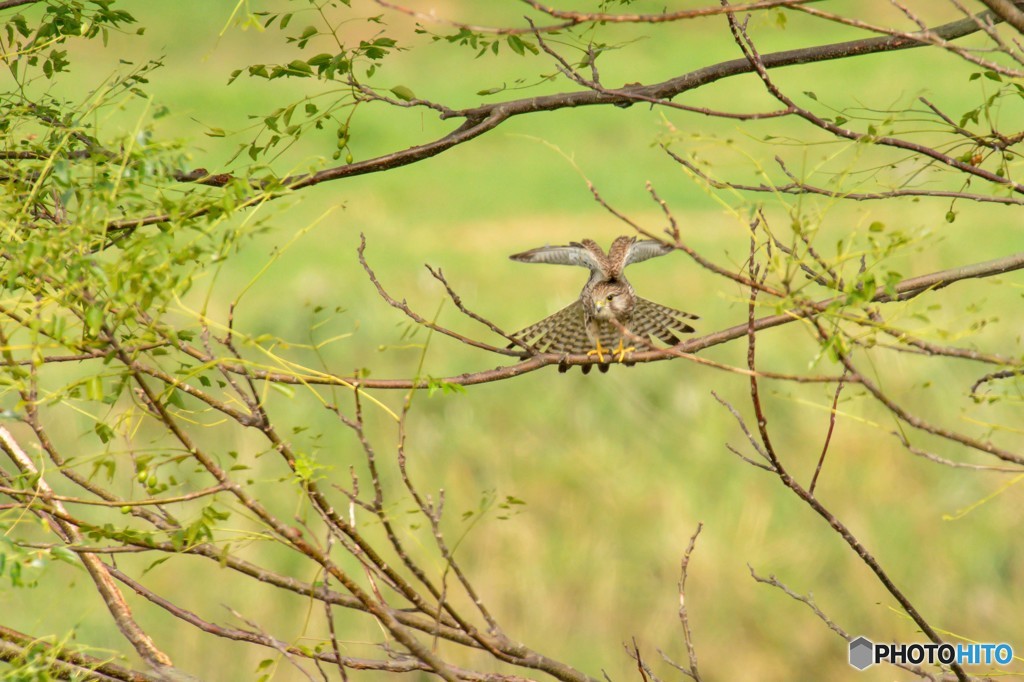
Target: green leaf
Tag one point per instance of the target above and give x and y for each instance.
(516, 43)
(446, 387)
(283, 389)
(104, 432)
(94, 388)
(174, 398)
(971, 115)
(299, 68)
(403, 93)
(93, 320)
(64, 554)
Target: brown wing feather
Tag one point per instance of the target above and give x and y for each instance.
(562, 332)
(617, 254)
(666, 324)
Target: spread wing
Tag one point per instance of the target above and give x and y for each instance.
(566, 331)
(666, 324)
(628, 250)
(562, 332)
(643, 249)
(573, 253)
(624, 251)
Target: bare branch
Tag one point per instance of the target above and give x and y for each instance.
(761, 68)
(401, 305)
(800, 187)
(684, 617)
(787, 480)
(828, 434)
(808, 600)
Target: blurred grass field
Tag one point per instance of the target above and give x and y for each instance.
(615, 470)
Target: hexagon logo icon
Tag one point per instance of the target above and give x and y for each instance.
(861, 653)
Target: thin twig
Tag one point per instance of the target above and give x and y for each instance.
(684, 617)
(828, 434)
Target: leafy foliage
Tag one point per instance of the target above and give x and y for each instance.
(149, 426)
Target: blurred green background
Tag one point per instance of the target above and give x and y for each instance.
(615, 470)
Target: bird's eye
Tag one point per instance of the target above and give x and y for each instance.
(611, 296)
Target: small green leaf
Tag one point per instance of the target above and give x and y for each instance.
(174, 398)
(283, 389)
(64, 554)
(876, 227)
(520, 46)
(94, 388)
(403, 93)
(297, 67)
(321, 59)
(971, 115)
(104, 432)
(93, 320)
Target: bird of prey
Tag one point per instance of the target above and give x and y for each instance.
(588, 324)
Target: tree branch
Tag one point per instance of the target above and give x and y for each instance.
(1008, 11)
(482, 119)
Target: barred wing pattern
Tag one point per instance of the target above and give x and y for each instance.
(666, 324)
(573, 253)
(566, 330)
(562, 332)
(637, 250)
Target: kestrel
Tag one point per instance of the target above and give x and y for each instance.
(586, 326)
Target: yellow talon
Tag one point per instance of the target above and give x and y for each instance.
(599, 351)
(621, 352)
